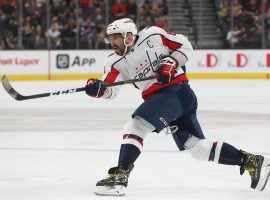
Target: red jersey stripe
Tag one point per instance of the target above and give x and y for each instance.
(112, 75)
(134, 137)
(170, 44)
(155, 87)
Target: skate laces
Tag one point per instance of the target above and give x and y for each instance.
(252, 163)
(251, 167)
(117, 173)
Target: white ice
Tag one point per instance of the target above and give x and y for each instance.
(57, 148)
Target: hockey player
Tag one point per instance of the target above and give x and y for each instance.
(169, 103)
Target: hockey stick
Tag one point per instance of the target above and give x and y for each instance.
(13, 93)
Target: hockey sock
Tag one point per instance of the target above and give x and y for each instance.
(229, 155)
(130, 150)
(219, 152)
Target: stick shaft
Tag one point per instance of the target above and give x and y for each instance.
(13, 93)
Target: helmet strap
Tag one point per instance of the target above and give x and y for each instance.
(127, 45)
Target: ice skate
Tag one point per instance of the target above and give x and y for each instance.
(116, 182)
(258, 168)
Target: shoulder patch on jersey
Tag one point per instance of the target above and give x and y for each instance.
(152, 30)
(148, 32)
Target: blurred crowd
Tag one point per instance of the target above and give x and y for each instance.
(244, 23)
(61, 26)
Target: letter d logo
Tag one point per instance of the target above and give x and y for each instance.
(268, 60)
(211, 60)
(241, 60)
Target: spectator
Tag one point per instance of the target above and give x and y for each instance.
(88, 33)
(39, 37)
(12, 26)
(2, 43)
(2, 21)
(156, 11)
(31, 8)
(85, 3)
(58, 3)
(267, 15)
(8, 7)
(237, 8)
(8, 23)
(27, 34)
(99, 16)
(267, 9)
(53, 34)
(163, 7)
(59, 9)
(253, 6)
(234, 36)
(119, 10)
(148, 21)
(224, 15)
(41, 3)
(88, 9)
(267, 45)
(132, 9)
(68, 35)
(100, 38)
(10, 41)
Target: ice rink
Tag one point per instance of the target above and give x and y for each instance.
(57, 148)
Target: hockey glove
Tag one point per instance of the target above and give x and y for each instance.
(166, 70)
(95, 88)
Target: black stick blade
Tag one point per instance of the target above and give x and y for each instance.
(10, 90)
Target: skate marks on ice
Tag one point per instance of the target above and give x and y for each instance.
(79, 119)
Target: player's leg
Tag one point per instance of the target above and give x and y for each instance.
(152, 115)
(190, 137)
(117, 180)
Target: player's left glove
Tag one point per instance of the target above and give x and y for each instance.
(166, 70)
(95, 88)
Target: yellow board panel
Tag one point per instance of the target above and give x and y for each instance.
(27, 77)
(98, 76)
(74, 76)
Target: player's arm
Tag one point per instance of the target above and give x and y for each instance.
(110, 77)
(180, 51)
(179, 47)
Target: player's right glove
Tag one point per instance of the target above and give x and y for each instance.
(95, 88)
(166, 70)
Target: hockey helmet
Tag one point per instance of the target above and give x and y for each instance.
(122, 26)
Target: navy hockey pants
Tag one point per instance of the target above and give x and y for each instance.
(173, 105)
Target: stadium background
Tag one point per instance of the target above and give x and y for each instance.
(58, 147)
(63, 39)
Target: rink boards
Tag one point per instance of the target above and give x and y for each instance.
(82, 64)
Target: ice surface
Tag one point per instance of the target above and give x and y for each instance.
(56, 148)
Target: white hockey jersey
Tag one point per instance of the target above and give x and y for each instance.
(150, 46)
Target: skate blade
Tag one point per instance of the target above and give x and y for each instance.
(118, 190)
(266, 174)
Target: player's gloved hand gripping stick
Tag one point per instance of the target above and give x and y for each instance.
(166, 70)
(13, 93)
